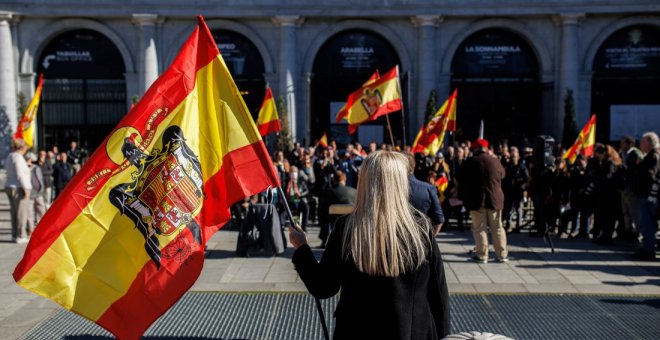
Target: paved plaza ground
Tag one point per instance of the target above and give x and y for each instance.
(577, 268)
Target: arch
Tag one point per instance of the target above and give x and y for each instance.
(230, 26)
(56, 28)
(377, 28)
(608, 30)
(540, 49)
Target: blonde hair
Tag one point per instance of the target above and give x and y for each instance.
(18, 144)
(385, 235)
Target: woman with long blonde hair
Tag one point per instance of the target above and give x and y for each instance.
(383, 257)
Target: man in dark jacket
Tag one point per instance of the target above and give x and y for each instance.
(646, 187)
(62, 173)
(424, 196)
(340, 194)
(480, 188)
(513, 186)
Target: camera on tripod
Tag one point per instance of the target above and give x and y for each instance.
(542, 158)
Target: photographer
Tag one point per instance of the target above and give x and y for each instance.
(540, 188)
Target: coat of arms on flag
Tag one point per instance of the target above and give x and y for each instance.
(372, 101)
(166, 192)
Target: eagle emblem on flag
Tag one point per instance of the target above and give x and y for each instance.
(372, 101)
(166, 192)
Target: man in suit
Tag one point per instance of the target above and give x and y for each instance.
(480, 188)
(424, 197)
(340, 194)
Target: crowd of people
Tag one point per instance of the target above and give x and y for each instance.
(34, 180)
(611, 196)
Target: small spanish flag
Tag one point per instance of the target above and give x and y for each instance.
(268, 120)
(430, 137)
(126, 238)
(584, 144)
(323, 142)
(25, 128)
(376, 99)
(441, 183)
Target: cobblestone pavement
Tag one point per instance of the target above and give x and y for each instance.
(577, 267)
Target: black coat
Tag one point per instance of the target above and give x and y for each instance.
(62, 173)
(341, 194)
(412, 306)
(47, 171)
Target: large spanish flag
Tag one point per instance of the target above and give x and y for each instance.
(430, 137)
(126, 238)
(25, 128)
(376, 99)
(268, 121)
(584, 144)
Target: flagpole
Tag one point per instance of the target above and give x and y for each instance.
(389, 127)
(293, 225)
(403, 116)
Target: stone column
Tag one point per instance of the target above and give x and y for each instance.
(569, 67)
(7, 71)
(426, 67)
(287, 70)
(147, 53)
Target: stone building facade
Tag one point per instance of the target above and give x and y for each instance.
(512, 61)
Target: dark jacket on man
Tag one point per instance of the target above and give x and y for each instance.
(646, 172)
(341, 194)
(424, 197)
(47, 172)
(62, 175)
(480, 182)
(412, 306)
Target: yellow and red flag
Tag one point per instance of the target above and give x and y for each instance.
(430, 137)
(343, 112)
(268, 120)
(324, 140)
(126, 238)
(378, 98)
(584, 144)
(441, 183)
(25, 128)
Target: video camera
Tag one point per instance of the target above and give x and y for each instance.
(542, 157)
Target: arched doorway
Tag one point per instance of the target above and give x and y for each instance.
(84, 94)
(497, 76)
(626, 83)
(341, 66)
(245, 65)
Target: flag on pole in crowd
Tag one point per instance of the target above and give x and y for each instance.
(441, 183)
(25, 128)
(323, 142)
(430, 137)
(268, 120)
(344, 109)
(481, 129)
(126, 238)
(378, 98)
(584, 144)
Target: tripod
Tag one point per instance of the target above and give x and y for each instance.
(539, 218)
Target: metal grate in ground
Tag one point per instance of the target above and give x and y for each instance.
(215, 315)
